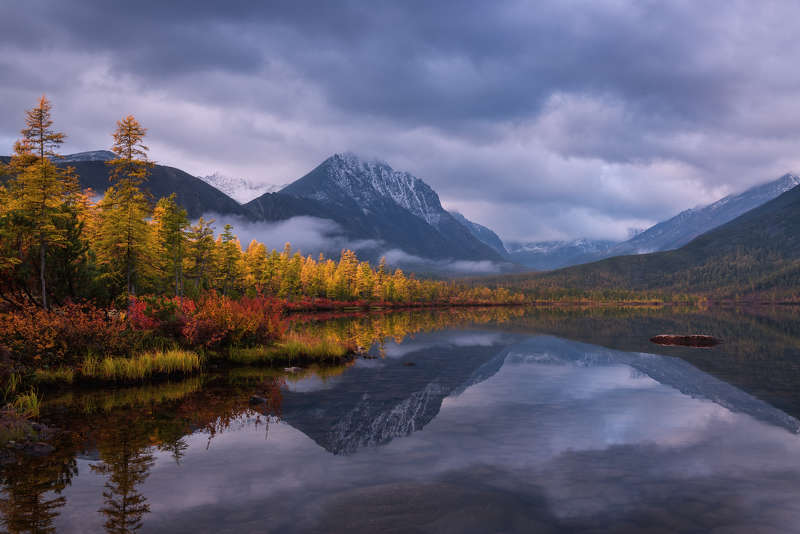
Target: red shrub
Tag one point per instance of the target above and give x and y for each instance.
(217, 320)
(165, 314)
(64, 334)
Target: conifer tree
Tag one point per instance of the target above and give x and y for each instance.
(170, 223)
(40, 189)
(200, 253)
(229, 254)
(125, 207)
(255, 264)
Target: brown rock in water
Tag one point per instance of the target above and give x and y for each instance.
(694, 340)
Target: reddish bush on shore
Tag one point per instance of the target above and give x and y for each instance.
(64, 334)
(216, 320)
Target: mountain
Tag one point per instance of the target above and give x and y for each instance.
(239, 189)
(687, 225)
(381, 207)
(547, 255)
(481, 232)
(94, 155)
(667, 235)
(755, 254)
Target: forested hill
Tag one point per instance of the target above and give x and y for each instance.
(196, 196)
(757, 253)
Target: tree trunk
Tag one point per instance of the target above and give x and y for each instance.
(42, 255)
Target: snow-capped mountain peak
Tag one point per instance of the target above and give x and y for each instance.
(239, 189)
(364, 180)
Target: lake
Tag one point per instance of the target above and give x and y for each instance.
(499, 420)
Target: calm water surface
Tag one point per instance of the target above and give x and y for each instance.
(517, 421)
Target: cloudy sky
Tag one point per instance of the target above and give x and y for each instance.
(540, 119)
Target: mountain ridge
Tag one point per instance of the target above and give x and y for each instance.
(756, 253)
(689, 224)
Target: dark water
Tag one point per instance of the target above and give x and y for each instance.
(516, 421)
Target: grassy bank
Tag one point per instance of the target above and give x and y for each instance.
(293, 349)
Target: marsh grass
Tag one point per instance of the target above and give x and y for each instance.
(140, 367)
(28, 404)
(11, 385)
(294, 348)
(58, 375)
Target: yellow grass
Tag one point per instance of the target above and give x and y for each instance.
(293, 348)
(142, 366)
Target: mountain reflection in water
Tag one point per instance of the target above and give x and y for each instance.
(498, 426)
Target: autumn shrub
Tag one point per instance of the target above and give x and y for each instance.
(163, 314)
(216, 321)
(63, 335)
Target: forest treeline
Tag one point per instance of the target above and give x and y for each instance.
(58, 245)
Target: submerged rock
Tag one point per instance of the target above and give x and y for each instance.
(693, 340)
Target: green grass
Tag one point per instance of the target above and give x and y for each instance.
(140, 367)
(294, 348)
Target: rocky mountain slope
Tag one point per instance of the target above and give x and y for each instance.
(482, 233)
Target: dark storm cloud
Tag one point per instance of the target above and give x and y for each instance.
(625, 112)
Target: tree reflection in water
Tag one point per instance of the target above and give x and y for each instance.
(126, 461)
(31, 494)
(128, 425)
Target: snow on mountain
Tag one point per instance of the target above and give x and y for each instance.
(239, 189)
(367, 182)
(94, 155)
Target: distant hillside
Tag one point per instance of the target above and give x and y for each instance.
(547, 255)
(666, 235)
(756, 253)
